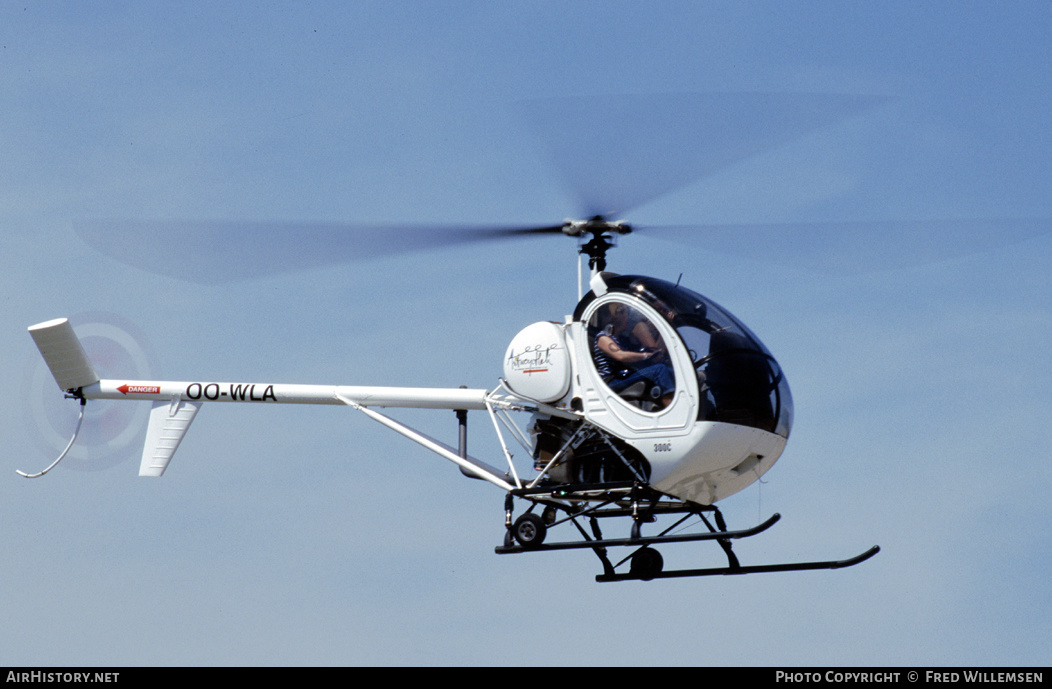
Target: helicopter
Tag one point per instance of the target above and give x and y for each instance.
(649, 400)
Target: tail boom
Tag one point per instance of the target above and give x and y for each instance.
(278, 393)
(176, 403)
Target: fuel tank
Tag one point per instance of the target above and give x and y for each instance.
(537, 364)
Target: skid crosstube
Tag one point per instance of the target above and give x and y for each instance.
(642, 540)
(754, 569)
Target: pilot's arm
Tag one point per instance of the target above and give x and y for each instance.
(614, 351)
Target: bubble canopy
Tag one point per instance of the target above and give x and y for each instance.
(738, 380)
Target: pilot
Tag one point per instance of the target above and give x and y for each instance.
(628, 351)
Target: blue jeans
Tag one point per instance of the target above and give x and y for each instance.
(658, 374)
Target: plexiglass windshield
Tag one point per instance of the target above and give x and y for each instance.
(739, 381)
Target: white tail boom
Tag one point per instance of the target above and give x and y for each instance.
(175, 404)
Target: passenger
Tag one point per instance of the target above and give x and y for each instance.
(645, 337)
(627, 351)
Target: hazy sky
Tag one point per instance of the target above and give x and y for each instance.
(314, 536)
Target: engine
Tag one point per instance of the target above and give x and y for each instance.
(591, 456)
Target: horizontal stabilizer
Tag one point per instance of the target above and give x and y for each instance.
(169, 422)
(63, 354)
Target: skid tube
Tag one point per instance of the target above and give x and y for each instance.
(643, 540)
(752, 569)
(642, 504)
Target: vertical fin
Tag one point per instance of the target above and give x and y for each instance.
(63, 353)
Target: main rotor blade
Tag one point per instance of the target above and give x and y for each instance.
(222, 252)
(848, 248)
(620, 152)
(616, 154)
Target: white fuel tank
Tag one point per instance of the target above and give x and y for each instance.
(537, 363)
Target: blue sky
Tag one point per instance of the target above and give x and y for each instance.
(314, 536)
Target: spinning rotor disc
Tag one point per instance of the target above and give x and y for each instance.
(615, 155)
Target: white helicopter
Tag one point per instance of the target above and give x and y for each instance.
(649, 400)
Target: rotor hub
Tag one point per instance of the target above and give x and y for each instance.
(601, 236)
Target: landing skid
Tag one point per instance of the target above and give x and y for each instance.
(643, 540)
(754, 569)
(592, 502)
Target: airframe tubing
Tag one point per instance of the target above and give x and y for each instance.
(435, 446)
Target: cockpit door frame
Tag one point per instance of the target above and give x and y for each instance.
(606, 408)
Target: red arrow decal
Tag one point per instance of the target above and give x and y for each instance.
(143, 389)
